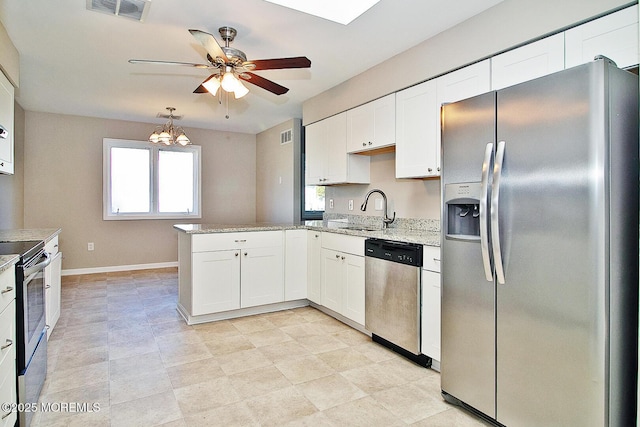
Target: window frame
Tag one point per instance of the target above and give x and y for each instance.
(305, 214)
(154, 150)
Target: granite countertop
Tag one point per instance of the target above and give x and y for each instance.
(423, 237)
(45, 234)
(7, 261)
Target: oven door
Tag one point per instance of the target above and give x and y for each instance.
(31, 307)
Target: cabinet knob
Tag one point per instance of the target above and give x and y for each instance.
(342, 258)
(46, 287)
(237, 254)
(430, 169)
(370, 143)
(337, 256)
(364, 144)
(245, 254)
(240, 241)
(317, 236)
(438, 168)
(9, 289)
(7, 345)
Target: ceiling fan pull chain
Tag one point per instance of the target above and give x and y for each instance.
(227, 95)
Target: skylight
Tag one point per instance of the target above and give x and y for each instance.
(340, 11)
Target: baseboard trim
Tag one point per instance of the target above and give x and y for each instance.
(116, 268)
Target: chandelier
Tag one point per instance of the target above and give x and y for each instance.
(168, 134)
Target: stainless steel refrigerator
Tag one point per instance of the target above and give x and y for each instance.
(540, 250)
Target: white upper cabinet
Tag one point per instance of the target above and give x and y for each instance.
(6, 125)
(326, 158)
(528, 62)
(418, 117)
(417, 126)
(372, 125)
(614, 36)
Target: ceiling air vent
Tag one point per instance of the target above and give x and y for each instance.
(133, 9)
(286, 136)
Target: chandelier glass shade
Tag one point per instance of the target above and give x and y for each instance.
(168, 134)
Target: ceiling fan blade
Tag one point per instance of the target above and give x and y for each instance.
(280, 63)
(264, 83)
(200, 89)
(210, 44)
(185, 64)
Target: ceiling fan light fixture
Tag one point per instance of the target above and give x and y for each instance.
(212, 85)
(241, 90)
(229, 82)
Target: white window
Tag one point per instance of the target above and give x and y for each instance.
(148, 181)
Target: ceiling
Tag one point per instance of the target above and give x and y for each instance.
(74, 61)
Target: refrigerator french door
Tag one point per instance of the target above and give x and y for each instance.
(540, 250)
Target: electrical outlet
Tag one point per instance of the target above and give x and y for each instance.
(378, 204)
(90, 246)
(330, 203)
(350, 204)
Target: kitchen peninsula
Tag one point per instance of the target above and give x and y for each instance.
(228, 271)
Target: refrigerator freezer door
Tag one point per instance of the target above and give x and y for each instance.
(468, 299)
(550, 313)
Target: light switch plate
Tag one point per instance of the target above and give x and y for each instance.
(330, 203)
(350, 204)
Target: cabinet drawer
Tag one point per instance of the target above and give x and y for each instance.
(7, 287)
(8, 333)
(431, 258)
(8, 390)
(52, 246)
(225, 241)
(343, 243)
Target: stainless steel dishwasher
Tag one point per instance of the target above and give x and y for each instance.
(393, 296)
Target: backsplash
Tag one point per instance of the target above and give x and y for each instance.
(376, 221)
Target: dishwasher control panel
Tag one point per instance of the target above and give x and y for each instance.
(402, 253)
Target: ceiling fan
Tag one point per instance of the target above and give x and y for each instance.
(230, 66)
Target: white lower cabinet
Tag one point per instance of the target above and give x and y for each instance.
(216, 281)
(8, 393)
(431, 303)
(342, 275)
(228, 271)
(261, 276)
(52, 285)
(295, 265)
(314, 266)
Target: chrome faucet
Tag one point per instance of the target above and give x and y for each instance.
(386, 220)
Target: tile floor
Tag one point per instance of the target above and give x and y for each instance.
(120, 344)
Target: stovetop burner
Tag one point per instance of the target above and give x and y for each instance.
(27, 249)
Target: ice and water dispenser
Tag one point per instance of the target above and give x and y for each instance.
(462, 210)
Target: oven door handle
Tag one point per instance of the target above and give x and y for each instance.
(38, 267)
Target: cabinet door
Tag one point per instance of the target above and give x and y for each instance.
(332, 280)
(360, 128)
(315, 154)
(417, 129)
(461, 84)
(53, 289)
(215, 281)
(353, 288)
(8, 365)
(295, 265)
(6, 121)
(314, 266)
(528, 62)
(431, 314)
(371, 125)
(614, 36)
(262, 277)
(335, 148)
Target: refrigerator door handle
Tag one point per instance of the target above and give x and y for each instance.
(495, 220)
(484, 206)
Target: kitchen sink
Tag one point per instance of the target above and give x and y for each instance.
(359, 228)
